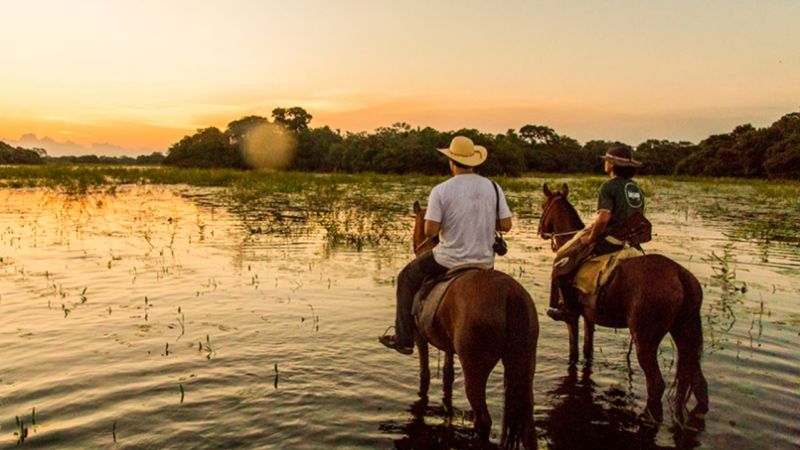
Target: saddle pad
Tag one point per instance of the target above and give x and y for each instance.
(428, 298)
(594, 272)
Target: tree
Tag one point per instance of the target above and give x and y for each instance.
(783, 157)
(238, 129)
(661, 157)
(295, 118)
(209, 147)
(313, 150)
(19, 155)
(538, 134)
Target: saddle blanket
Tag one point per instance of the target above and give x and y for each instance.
(428, 298)
(594, 272)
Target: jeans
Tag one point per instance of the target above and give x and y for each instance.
(408, 283)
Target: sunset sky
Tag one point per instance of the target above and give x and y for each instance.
(129, 77)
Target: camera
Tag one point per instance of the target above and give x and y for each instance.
(500, 246)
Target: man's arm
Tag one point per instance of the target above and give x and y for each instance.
(432, 228)
(503, 225)
(598, 227)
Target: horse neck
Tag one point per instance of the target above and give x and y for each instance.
(565, 219)
(419, 237)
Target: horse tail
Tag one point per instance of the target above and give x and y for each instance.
(519, 363)
(688, 335)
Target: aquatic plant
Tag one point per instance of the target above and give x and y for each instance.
(721, 314)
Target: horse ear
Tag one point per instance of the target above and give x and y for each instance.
(547, 192)
(417, 208)
(564, 190)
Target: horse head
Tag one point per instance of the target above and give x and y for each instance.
(560, 221)
(421, 243)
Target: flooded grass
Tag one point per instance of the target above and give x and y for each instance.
(256, 258)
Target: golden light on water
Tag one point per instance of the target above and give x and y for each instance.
(269, 146)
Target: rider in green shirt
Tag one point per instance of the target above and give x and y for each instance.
(619, 198)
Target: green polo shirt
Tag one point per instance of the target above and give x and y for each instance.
(622, 197)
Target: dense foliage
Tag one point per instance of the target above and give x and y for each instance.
(19, 155)
(771, 152)
(154, 158)
(746, 152)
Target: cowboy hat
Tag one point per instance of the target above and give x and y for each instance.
(464, 151)
(621, 156)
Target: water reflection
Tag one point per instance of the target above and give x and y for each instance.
(305, 285)
(582, 417)
(435, 427)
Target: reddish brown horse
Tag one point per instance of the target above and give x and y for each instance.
(485, 316)
(652, 296)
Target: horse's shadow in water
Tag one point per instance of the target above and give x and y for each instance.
(452, 428)
(584, 418)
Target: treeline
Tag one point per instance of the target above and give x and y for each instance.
(155, 158)
(772, 152)
(19, 155)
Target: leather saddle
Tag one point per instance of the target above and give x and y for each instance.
(430, 295)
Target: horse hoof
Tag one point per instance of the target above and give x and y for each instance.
(699, 411)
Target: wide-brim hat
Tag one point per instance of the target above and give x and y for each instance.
(621, 156)
(464, 151)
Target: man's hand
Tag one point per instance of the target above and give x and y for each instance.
(598, 227)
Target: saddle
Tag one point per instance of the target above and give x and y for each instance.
(591, 273)
(430, 295)
(595, 272)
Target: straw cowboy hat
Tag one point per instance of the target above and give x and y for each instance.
(621, 156)
(464, 151)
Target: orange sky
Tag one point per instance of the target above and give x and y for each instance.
(126, 77)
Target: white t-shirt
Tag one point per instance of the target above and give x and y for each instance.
(465, 207)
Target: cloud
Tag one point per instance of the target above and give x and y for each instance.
(56, 148)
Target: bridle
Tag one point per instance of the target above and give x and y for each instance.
(551, 235)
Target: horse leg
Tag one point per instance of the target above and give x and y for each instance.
(700, 390)
(688, 336)
(689, 375)
(476, 372)
(572, 326)
(448, 378)
(690, 380)
(647, 354)
(424, 369)
(588, 339)
(518, 427)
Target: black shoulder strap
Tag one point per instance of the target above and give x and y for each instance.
(496, 201)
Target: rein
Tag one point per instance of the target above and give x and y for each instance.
(426, 241)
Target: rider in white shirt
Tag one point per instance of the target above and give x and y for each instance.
(464, 212)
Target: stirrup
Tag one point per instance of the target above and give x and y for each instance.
(561, 315)
(390, 341)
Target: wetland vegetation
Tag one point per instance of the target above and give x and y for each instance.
(237, 308)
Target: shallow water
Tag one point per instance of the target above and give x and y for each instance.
(154, 317)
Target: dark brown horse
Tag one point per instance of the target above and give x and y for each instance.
(652, 296)
(485, 316)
